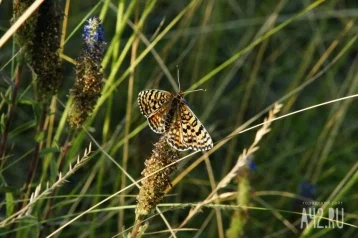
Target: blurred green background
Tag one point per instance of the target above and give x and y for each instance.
(312, 60)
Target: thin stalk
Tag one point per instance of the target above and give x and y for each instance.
(252, 79)
(202, 43)
(119, 26)
(65, 150)
(33, 164)
(136, 229)
(35, 159)
(14, 27)
(50, 123)
(128, 118)
(11, 113)
(247, 95)
(53, 193)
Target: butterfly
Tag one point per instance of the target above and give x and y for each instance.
(170, 114)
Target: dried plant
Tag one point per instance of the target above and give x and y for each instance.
(154, 185)
(36, 195)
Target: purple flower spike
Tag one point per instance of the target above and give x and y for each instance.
(93, 33)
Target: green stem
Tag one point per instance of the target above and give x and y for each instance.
(11, 113)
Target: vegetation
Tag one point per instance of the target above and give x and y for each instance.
(78, 159)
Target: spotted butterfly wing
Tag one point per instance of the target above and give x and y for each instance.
(169, 114)
(186, 131)
(194, 134)
(151, 100)
(154, 105)
(157, 121)
(175, 133)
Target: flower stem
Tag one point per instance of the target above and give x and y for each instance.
(136, 228)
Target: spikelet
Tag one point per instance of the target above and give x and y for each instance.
(155, 183)
(46, 62)
(89, 75)
(25, 34)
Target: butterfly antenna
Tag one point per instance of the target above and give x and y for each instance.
(196, 90)
(178, 76)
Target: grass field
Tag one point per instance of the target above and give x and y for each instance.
(279, 81)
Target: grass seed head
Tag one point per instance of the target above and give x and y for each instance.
(89, 74)
(154, 185)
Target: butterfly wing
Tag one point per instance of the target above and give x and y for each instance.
(154, 105)
(151, 100)
(157, 120)
(175, 134)
(184, 130)
(194, 134)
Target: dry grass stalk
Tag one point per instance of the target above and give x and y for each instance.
(36, 196)
(241, 162)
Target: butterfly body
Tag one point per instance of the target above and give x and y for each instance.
(170, 114)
